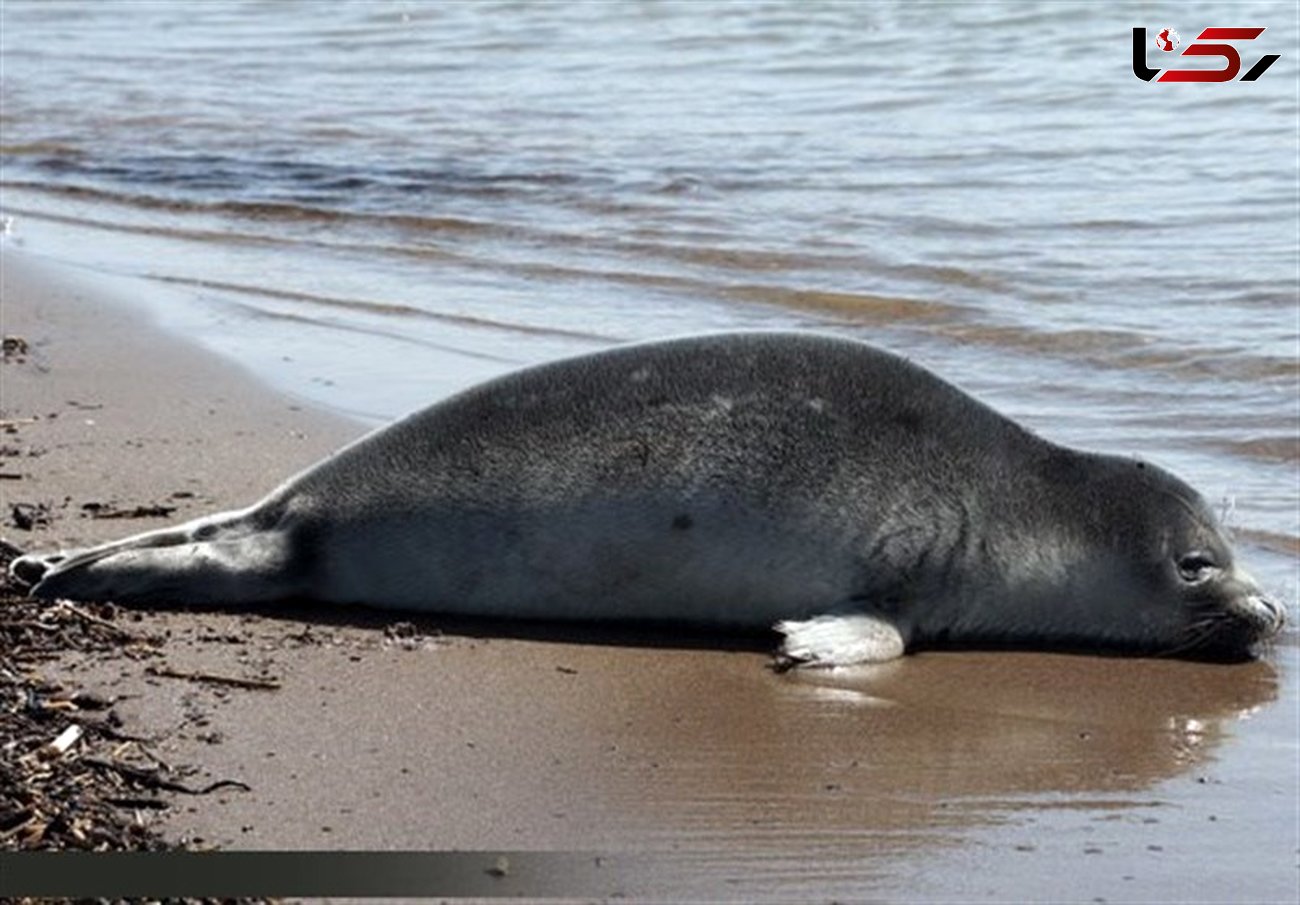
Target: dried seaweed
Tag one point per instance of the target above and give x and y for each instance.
(70, 778)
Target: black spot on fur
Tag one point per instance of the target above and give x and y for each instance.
(683, 522)
(908, 419)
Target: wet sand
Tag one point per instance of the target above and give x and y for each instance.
(942, 777)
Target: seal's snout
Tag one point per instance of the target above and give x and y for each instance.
(1267, 614)
(1233, 625)
(1256, 614)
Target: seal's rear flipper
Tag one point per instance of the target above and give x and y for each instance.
(219, 559)
(27, 571)
(232, 571)
(838, 640)
(31, 569)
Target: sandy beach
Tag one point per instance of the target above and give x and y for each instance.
(959, 776)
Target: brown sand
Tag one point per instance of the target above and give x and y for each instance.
(1001, 777)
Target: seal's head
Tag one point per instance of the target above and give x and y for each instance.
(1100, 553)
(1227, 613)
(1195, 599)
(1230, 613)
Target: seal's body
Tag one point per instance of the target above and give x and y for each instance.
(732, 480)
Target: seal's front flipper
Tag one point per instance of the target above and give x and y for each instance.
(838, 640)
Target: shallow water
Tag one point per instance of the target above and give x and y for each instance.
(373, 204)
(378, 203)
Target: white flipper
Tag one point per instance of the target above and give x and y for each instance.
(838, 640)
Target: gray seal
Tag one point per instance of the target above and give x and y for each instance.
(850, 498)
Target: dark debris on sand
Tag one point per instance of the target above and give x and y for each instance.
(55, 792)
(70, 777)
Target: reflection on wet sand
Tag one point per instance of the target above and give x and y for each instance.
(826, 776)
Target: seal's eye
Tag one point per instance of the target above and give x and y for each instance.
(1196, 566)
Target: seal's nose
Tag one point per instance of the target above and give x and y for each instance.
(1270, 614)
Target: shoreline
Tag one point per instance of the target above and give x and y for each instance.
(196, 432)
(361, 730)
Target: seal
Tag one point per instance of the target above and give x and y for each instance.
(854, 500)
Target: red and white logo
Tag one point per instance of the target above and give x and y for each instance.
(1209, 43)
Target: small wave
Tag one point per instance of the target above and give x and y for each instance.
(752, 260)
(203, 178)
(1286, 544)
(926, 225)
(1276, 448)
(40, 149)
(1277, 296)
(858, 307)
(201, 235)
(948, 275)
(1230, 364)
(1125, 350)
(855, 307)
(768, 260)
(262, 210)
(453, 225)
(363, 306)
(1106, 226)
(255, 313)
(1071, 343)
(259, 211)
